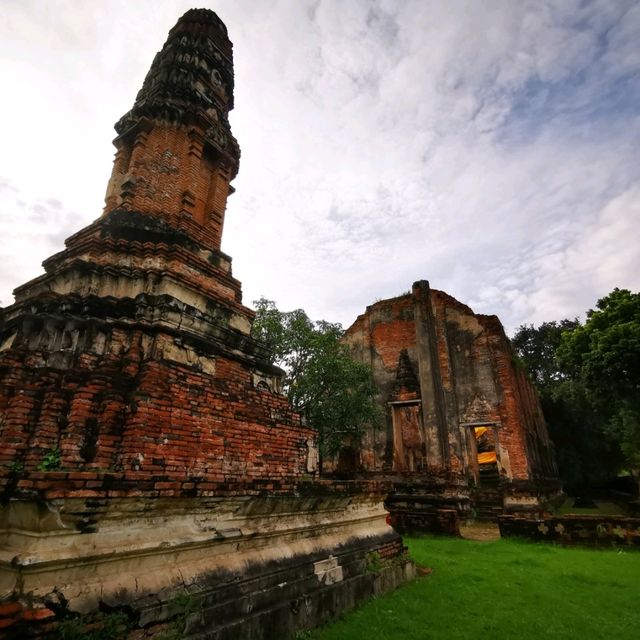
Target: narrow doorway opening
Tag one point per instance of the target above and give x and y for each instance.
(408, 440)
(488, 473)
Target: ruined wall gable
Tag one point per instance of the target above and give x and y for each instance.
(378, 336)
(465, 364)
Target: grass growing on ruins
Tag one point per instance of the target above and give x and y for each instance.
(601, 507)
(504, 589)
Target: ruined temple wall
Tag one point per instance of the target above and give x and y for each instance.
(513, 426)
(485, 391)
(468, 382)
(523, 432)
(456, 455)
(141, 402)
(466, 366)
(459, 357)
(482, 384)
(542, 457)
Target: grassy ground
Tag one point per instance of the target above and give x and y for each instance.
(603, 507)
(504, 590)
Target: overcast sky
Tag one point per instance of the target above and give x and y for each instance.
(490, 147)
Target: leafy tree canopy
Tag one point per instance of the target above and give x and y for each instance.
(588, 376)
(603, 355)
(332, 391)
(537, 347)
(605, 352)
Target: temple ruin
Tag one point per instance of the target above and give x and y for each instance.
(147, 455)
(464, 427)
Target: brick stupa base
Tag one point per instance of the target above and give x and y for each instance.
(243, 560)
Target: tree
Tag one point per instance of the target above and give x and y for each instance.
(333, 392)
(537, 347)
(603, 356)
(588, 377)
(586, 456)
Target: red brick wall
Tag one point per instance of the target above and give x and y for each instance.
(156, 416)
(524, 430)
(512, 425)
(439, 303)
(387, 327)
(165, 170)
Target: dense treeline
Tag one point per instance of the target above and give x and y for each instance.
(588, 377)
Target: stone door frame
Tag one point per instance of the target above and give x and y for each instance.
(495, 425)
(396, 430)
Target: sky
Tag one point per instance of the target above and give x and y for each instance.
(488, 146)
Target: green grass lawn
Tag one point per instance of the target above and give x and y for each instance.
(603, 507)
(504, 589)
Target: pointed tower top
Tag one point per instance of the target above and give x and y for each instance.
(406, 379)
(190, 80)
(176, 153)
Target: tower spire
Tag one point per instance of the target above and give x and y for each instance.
(176, 154)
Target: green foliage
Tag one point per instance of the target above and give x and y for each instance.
(374, 562)
(333, 392)
(585, 457)
(50, 460)
(603, 356)
(181, 607)
(502, 590)
(536, 347)
(71, 630)
(103, 626)
(16, 466)
(588, 377)
(606, 349)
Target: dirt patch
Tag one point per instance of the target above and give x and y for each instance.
(481, 531)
